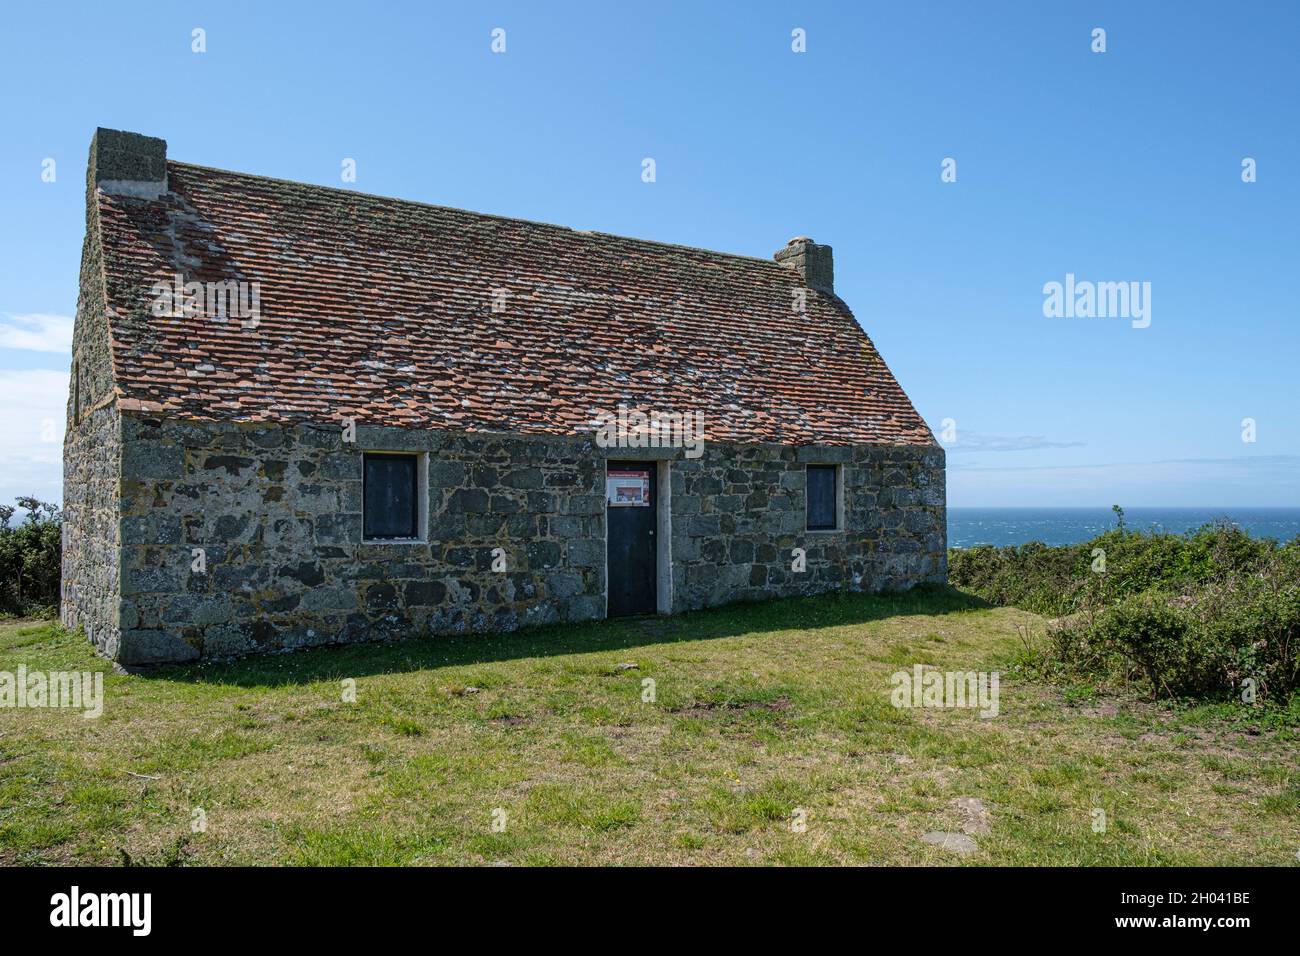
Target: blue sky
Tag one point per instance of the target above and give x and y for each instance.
(1117, 166)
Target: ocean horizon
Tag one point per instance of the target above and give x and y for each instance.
(968, 527)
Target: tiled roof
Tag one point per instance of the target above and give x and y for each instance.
(382, 310)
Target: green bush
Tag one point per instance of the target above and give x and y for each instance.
(1195, 615)
(1149, 630)
(31, 556)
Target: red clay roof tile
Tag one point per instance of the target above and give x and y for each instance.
(381, 310)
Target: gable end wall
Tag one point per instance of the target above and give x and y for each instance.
(91, 579)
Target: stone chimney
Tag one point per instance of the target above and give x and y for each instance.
(813, 263)
(127, 164)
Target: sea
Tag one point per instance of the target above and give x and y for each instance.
(968, 527)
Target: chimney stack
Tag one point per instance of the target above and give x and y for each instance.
(813, 263)
(127, 164)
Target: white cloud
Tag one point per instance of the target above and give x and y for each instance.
(968, 441)
(1254, 480)
(37, 332)
(33, 409)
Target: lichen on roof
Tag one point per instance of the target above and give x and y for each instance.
(401, 313)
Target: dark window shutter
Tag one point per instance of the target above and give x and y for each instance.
(821, 497)
(392, 508)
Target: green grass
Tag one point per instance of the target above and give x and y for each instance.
(763, 714)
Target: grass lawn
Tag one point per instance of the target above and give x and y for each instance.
(760, 711)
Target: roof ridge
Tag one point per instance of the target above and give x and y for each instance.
(487, 215)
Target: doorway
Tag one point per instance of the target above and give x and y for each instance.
(631, 508)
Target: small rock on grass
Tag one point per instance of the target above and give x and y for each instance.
(974, 815)
(958, 843)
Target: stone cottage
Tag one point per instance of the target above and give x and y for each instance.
(301, 415)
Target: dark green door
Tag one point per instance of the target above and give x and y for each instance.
(631, 500)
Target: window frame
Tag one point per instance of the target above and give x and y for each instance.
(837, 498)
(419, 493)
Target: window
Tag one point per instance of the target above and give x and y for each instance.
(391, 500)
(823, 498)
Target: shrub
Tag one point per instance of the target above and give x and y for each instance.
(1160, 639)
(1193, 615)
(31, 556)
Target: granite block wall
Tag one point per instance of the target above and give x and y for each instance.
(90, 586)
(91, 581)
(276, 515)
(739, 513)
(238, 537)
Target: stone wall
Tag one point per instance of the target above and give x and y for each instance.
(90, 591)
(277, 514)
(740, 511)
